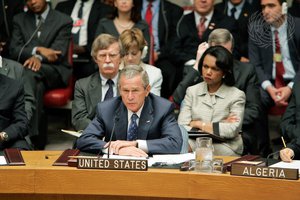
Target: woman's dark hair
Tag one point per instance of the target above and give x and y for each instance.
(224, 61)
(135, 12)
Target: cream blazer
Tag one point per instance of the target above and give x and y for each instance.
(198, 104)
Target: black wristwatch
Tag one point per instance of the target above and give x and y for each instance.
(4, 136)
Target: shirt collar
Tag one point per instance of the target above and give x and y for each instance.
(138, 113)
(238, 7)
(44, 14)
(208, 17)
(1, 62)
(104, 80)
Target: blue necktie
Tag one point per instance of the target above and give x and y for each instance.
(110, 92)
(132, 130)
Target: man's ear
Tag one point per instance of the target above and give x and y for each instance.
(148, 88)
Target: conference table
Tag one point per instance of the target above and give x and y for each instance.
(40, 180)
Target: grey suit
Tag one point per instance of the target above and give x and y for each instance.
(157, 125)
(88, 92)
(12, 69)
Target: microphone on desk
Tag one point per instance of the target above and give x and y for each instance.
(268, 157)
(111, 135)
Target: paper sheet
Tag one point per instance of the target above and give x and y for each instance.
(3, 160)
(74, 133)
(295, 164)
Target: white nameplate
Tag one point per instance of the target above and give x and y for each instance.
(113, 164)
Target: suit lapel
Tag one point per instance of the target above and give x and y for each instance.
(4, 87)
(95, 90)
(146, 120)
(121, 120)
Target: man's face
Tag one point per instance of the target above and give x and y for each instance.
(37, 6)
(203, 7)
(271, 10)
(108, 60)
(133, 92)
(236, 2)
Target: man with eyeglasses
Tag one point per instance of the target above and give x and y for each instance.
(99, 86)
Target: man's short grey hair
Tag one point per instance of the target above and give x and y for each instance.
(220, 36)
(103, 41)
(130, 71)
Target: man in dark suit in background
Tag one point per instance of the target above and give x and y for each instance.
(290, 126)
(277, 66)
(140, 123)
(165, 16)
(195, 27)
(40, 41)
(95, 88)
(83, 31)
(13, 118)
(245, 80)
(241, 11)
(8, 9)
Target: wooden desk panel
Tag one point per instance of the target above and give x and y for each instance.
(40, 180)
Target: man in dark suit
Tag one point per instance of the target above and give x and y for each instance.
(40, 41)
(13, 119)
(240, 10)
(138, 122)
(245, 79)
(290, 126)
(278, 67)
(93, 11)
(93, 89)
(165, 18)
(8, 9)
(195, 27)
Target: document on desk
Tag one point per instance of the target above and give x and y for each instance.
(3, 160)
(295, 164)
(74, 133)
(168, 159)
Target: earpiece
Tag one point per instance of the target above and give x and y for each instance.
(144, 52)
(284, 8)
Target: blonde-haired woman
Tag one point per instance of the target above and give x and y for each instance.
(134, 49)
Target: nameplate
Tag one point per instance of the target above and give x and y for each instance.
(264, 172)
(112, 164)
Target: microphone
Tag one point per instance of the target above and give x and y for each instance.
(111, 135)
(268, 157)
(31, 37)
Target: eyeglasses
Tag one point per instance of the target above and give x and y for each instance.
(111, 56)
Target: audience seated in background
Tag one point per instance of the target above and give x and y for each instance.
(138, 122)
(245, 80)
(84, 20)
(162, 17)
(134, 48)
(214, 105)
(13, 118)
(126, 15)
(240, 10)
(40, 41)
(290, 127)
(100, 86)
(8, 9)
(277, 66)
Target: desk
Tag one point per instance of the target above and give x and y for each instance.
(40, 180)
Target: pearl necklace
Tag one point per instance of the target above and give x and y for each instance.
(129, 25)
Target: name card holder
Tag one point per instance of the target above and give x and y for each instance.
(91, 162)
(264, 172)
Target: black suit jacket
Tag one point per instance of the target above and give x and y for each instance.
(169, 15)
(99, 10)
(186, 46)
(243, 20)
(13, 118)
(261, 50)
(157, 125)
(55, 34)
(290, 122)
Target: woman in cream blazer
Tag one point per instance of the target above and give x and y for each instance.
(215, 106)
